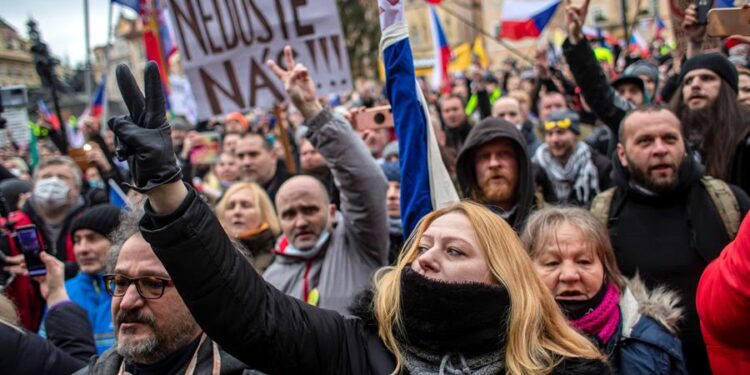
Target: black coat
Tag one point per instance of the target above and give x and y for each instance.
(70, 344)
(601, 97)
(255, 322)
(669, 239)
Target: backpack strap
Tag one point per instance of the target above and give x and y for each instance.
(726, 204)
(601, 204)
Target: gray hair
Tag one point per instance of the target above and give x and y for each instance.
(60, 160)
(129, 227)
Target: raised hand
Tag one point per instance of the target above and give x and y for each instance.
(575, 16)
(52, 285)
(694, 30)
(298, 84)
(143, 137)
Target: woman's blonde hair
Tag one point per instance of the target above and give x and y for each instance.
(267, 212)
(542, 226)
(538, 335)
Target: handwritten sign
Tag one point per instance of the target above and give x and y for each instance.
(224, 45)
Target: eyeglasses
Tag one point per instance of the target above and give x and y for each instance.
(147, 287)
(562, 124)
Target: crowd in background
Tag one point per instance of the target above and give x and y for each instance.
(619, 182)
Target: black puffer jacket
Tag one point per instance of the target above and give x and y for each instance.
(488, 130)
(252, 320)
(70, 343)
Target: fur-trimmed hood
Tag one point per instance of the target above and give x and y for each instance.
(659, 304)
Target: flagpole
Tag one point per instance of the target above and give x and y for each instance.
(485, 33)
(105, 104)
(87, 69)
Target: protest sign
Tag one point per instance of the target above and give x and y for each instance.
(224, 45)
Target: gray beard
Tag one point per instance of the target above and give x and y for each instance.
(160, 344)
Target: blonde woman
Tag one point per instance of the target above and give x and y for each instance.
(462, 298)
(246, 213)
(633, 326)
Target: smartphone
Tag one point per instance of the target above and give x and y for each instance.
(31, 247)
(728, 21)
(702, 7)
(375, 118)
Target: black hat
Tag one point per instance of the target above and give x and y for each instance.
(714, 62)
(102, 219)
(564, 119)
(628, 78)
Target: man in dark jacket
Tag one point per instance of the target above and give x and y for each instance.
(604, 100)
(567, 169)
(494, 168)
(455, 122)
(662, 221)
(154, 330)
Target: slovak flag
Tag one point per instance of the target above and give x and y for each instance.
(525, 18)
(441, 51)
(425, 183)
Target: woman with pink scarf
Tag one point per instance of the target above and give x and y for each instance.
(634, 327)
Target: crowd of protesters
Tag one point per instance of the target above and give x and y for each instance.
(601, 226)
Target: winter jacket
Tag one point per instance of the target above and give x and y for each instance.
(272, 186)
(669, 239)
(358, 244)
(258, 324)
(724, 304)
(604, 171)
(88, 292)
(740, 173)
(647, 340)
(601, 97)
(492, 129)
(109, 363)
(532, 142)
(70, 343)
(25, 294)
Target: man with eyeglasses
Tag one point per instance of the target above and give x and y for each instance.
(154, 331)
(566, 169)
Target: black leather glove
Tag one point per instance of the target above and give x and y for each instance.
(143, 137)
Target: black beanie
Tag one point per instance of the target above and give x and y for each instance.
(102, 219)
(714, 62)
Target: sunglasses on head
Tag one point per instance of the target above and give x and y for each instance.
(562, 124)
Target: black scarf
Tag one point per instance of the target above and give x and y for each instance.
(467, 318)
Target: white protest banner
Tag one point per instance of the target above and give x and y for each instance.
(224, 45)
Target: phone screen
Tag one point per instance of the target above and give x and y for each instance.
(31, 247)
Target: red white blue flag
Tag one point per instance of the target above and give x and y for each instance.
(425, 183)
(525, 18)
(441, 51)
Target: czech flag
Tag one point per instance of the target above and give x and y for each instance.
(442, 53)
(638, 44)
(525, 18)
(425, 184)
(97, 105)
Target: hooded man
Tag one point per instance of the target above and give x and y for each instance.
(494, 169)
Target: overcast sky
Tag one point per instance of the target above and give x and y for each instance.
(61, 23)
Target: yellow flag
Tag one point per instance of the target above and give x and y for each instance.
(480, 52)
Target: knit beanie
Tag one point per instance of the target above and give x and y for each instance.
(102, 219)
(564, 119)
(236, 116)
(392, 171)
(714, 62)
(639, 68)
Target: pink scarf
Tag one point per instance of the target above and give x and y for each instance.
(602, 321)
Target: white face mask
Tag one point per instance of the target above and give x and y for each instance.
(51, 193)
